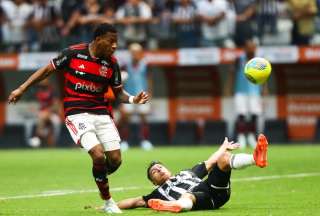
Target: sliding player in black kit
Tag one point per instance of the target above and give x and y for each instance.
(188, 190)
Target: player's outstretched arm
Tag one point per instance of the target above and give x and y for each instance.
(125, 97)
(131, 203)
(36, 77)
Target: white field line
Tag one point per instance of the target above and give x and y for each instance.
(68, 192)
(261, 178)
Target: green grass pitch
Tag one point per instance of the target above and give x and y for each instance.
(58, 182)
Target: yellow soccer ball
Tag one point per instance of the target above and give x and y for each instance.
(257, 70)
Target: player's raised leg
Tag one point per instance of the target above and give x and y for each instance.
(258, 158)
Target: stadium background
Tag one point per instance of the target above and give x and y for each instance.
(293, 99)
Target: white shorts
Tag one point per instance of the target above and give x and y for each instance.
(102, 126)
(137, 108)
(248, 104)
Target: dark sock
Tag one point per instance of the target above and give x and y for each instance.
(144, 131)
(124, 132)
(241, 125)
(252, 125)
(99, 172)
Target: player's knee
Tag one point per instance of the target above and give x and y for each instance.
(112, 166)
(113, 161)
(224, 162)
(97, 155)
(99, 158)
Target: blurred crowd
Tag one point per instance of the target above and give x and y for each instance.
(44, 25)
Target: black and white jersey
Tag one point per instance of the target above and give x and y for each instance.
(174, 187)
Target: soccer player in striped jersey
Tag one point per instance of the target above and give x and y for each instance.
(188, 190)
(88, 70)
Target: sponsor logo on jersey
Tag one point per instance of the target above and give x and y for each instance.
(80, 73)
(104, 62)
(81, 66)
(88, 87)
(82, 56)
(61, 60)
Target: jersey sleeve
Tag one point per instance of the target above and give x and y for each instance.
(62, 60)
(200, 170)
(153, 195)
(116, 76)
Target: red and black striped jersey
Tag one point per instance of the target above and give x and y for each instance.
(86, 79)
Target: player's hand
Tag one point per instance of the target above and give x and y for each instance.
(15, 95)
(141, 98)
(227, 145)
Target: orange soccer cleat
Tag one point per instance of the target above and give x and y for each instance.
(161, 205)
(260, 152)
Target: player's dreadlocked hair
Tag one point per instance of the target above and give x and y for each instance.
(149, 167)
(104, 28)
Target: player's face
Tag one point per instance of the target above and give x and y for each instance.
(159, 174)
(106, 45)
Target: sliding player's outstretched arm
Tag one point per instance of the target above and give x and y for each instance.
(36, 77)
(131, 203)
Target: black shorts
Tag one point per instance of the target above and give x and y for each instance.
(213, 192)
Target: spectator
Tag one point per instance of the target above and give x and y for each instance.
(161, 26)
(303, 14)
(48, 124)
(85, 17)
(185, 19)
(247, 99)
(43, 24)
(138, 80)
(16, 13)
(90, 15)
(213, 15)
(245, 11)
(115, 4)
(267, 17)
(69, 32)
(134, 16)
(2, 20)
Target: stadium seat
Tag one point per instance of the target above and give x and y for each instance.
(214, 132)
(185, 133)
(276, 131)
(317, 134)
(13, 136)
(159, 133)
(64, 139)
